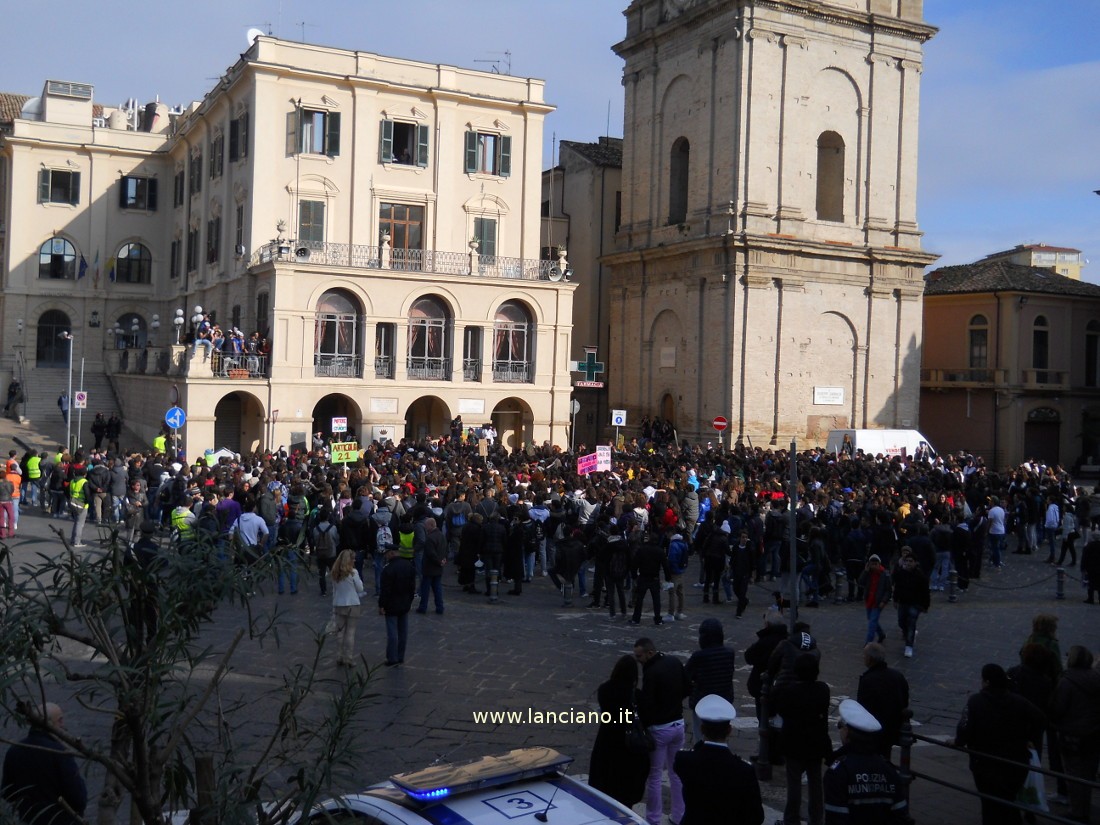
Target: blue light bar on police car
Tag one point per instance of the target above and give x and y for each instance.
(441, 781)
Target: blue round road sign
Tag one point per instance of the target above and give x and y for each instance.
(175, 418)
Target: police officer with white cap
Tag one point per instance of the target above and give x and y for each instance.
(861, 787)
(720, 788)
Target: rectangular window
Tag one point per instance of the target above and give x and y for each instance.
(979, 348)
(261, 313)
(471, 354)
(488, 154)
(311, 221)
(58, 186)
(195, 180)
(192, 250)
(384, 337)
(405, 143)
(217, 156)
(235, 316)
(178, 190)
(405, 226)
(137, 193)
(238, 239)
(213, 239)
(174, 259)
(238, 137)
(485, 230)
(313, 132)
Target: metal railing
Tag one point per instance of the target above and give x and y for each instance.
(471, 369)
(337, 366)
(383, 366)
(359, 256)
(429, 369)
(238, 365)
(508, 372)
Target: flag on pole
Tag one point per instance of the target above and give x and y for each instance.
(95, 271)
(111, 269)
(83, 270)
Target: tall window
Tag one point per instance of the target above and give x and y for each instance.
(512, 343)
(336, 335)
(262, 304)
(311, 221)
(57, 260)
(137, 193)
(213, 239)
(313, 132)
(217, 156)
(238, 239)
(174, 259)
(238, 137)
(471, 354)
(134, 264)
(979, 343)
(678, 169)
(429, 341)
(1092, 354)
(830, 177)
(385, 337)
(179, 188)
(192, 250)
(194, 185)
(405, 225)
(488, 154)
(485, 230)
(405, 143)
(58, 186)
(1040, 349)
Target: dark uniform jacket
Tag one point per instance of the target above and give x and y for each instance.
(398, 585)
(719, 787)
(885, 693)
(37, 773)
(863, 789)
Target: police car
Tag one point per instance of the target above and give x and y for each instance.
(522, 787)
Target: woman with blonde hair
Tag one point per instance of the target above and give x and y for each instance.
(347, 588)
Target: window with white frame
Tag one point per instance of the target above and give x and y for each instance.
(488, 153)
(238, 137)
(133, 264)
(57, 260)
(512, 343)
(485, 232)
(58, 186)
(429, 355)
(194, 185)
(213, 239)
(312, 132)
(217, 156)
(405, 143)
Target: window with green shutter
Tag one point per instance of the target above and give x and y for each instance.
(312, 132)
(58, 186)
(403, 143)
(488, 153)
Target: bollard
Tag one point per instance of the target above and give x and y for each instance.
(763, 756)
(1060, 595)
(905, 743)
(492, 586)
(952, 594)
(567, 594)
(838, 583)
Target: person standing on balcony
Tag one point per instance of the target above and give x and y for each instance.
(203, 338)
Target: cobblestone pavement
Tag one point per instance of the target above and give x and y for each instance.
(529, 652)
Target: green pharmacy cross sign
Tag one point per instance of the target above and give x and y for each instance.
(591, 368)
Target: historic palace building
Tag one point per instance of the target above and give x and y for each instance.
(374, 221)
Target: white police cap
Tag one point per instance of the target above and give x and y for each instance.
(713, 708)
(857, 717)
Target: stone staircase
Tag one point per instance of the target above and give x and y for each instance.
(42, 388)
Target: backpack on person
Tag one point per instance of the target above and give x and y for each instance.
(533, 534)
(325, 538)
(268, 509)
(384, 538)
(458, 520)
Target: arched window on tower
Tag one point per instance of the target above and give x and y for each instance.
(512, 344)
(337, 350)
(679, 161)
(830, 177)
(429, 357)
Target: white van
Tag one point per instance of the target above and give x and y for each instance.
(873, 442)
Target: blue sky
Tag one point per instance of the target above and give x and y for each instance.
(1010, 98)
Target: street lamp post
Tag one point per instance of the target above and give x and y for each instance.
(178, 323)
(68, 336)
(154, 326)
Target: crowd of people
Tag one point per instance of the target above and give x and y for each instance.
(390, 524)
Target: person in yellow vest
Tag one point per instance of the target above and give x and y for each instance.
(33, 463)
(183, 519)
(78, 506)
(160, 443)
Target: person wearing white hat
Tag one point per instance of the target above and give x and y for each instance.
(718, 785)
(861, 787)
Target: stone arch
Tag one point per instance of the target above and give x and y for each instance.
(239, 422)
(336, 405)
(427, 416)
(514, 422)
